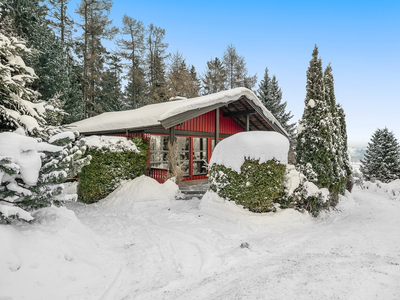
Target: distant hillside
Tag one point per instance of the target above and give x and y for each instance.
(356, 154)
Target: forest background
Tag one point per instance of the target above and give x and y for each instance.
(360, 39)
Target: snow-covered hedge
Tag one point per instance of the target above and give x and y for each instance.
(256, 187)
(114, 159)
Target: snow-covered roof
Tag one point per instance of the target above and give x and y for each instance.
(168, 114)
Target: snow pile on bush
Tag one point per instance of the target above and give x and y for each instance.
(19, 159)
(295, 180)
(32, 171)
(140, 192)
(249, 168)
(391, 189)
(256, 145)
(113, 143)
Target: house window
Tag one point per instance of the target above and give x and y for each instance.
(159, 152)
(184, 154)
(199, 156)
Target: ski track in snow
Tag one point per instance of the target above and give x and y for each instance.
(174, 251)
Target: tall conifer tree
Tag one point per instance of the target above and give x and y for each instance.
(214, 77)
(270, 94)
(132, 49)
(314, 147)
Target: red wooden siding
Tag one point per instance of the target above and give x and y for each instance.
(206, 123)
(158, 174)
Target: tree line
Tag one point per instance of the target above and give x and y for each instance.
(89, 79)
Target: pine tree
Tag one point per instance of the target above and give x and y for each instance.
(20, 105)
(156, 67)
(111, 97)
(214, 77)
(28, 22)
(382, 158)
(270, 94)
(96, 26)
(181, 81)
(196, 84)
(132, 49)
(60, 20)
(236, 70)
(31, 172)
(314, 147)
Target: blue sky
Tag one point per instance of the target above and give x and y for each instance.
(361, 40)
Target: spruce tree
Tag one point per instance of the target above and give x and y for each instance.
(214, 77)
(111, 97)
(132, 49)
(20, 105)
(314, 147)
(156, 66)
(382, 158)
(180, 79)
(236, 70)
(270, 94)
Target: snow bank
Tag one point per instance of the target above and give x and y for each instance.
(213, 205)
(140, 192)
(391, 189)
(55, 257)
(262, 145)
(113, 143)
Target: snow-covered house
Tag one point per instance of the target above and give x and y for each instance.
(195, 124)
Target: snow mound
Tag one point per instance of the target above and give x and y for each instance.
(262, 145)
(391, 189)
(113, 143)
(55, 257)
(213, 205)
(141, 192)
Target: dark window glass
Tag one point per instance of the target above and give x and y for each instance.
(199, 156)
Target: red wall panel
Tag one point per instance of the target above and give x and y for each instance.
(206, 123)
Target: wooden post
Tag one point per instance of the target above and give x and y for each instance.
(247, 122)
(172, 135)
(216, 126)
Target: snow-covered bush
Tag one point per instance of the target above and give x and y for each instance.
(248, 168)
(302, 194)
(113, 159)
(32, 171)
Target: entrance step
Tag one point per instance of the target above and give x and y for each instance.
(190, 194)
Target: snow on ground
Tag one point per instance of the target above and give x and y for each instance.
(140, 243)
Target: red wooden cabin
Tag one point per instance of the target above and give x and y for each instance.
(194, 124)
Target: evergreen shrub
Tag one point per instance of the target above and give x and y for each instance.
(108, 168)
(256, 187)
